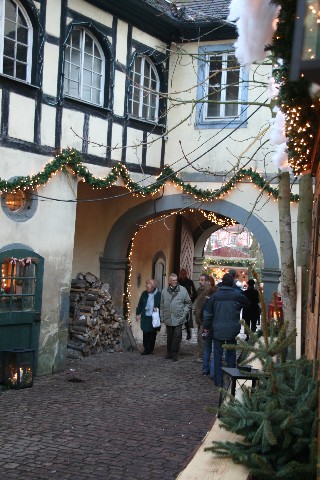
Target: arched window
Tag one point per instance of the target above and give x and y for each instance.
(15, 40)
(144, 100)
(84, 67)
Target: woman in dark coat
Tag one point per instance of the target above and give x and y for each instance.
(251, 314)
(149, 302)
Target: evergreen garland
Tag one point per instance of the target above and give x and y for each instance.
(71, 159)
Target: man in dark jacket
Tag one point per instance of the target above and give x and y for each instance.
(221, 316)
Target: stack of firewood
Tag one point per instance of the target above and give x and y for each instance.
(94, 325)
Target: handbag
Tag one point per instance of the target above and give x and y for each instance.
(156, 318)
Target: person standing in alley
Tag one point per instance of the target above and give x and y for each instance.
(174, 307)
(203, 294)
(251, 314)
(221, 315)
(189, 285)
(149, 301)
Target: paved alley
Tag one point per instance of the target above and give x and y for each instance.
(112, 416)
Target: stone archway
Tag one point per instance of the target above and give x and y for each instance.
(114, 260)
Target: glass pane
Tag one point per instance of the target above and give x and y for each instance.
(20, 19)
(8, 66)
(135, 109)
(21, 71)
(22, 35)
(15, 201)
(75, 57)
(75, 39)
(137, 64)
(213, 108)
(145, 111)
(153, 100)
(88, 44)
(147, 69)
(18, 285)
(97, 64)
(87, 61)
(96, 51)
(95, 96)
(152, 113)
(96, 80)
(10, 10)
(22, 53)
(87, 77)
(86, 93)
(232, 93)
(71, 88)
(74, 73)
(136, 94)
(8, 48)
(232, 110)
(10, 29)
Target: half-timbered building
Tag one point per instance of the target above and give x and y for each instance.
(157, 115)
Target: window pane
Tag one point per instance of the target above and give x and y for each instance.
(21, 71)
(96, 51)
(137, 64)
(22, 35)
(96, 80)
(213, 108)
(135, 109)
(88, 44)
(8, 48)
(87, 61)
(71, 88)
(20, 19)
(10, 10)
(75, 39)
(8, 66)
(75, 57)
(10, 29)
(74, 73)
(18, 286)
(86, 93)
(144, 111)
(97, 65)
(22, 53)
(95, 96)
(87, 77)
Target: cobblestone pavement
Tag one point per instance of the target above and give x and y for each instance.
(112, 416)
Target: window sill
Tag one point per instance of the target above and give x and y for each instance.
(79, 101)
(147, 122)
(219, 123)
(6, 80)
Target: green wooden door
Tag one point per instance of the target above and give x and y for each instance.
(20, 299)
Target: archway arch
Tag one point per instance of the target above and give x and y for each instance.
(114, 260)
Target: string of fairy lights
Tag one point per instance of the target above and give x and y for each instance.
(219, 220)
(301, 112)
(71, 160)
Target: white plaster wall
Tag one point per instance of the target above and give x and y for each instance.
(53, 17)
(116, 142)
(50, 233)
(154, 150)
(98, 131)
(121, 47)
(134, 146)
(90, 11)
(146, 39)
(119, 92)
(48, 125)
(21, 125)
(50, 69)
(236, 146)
(72, 129)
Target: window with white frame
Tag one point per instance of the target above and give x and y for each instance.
(222, 88)
(15, 41)
(144, 100)
(84, 67)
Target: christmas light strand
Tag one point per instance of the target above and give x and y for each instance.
(70, 160)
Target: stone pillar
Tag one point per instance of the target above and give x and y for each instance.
(197, 269)
(270, 279)
(113, 272)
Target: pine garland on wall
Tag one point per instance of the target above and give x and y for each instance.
(71, 159)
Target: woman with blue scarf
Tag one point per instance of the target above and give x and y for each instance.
(149, 302)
